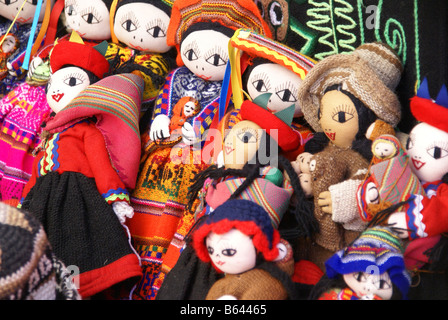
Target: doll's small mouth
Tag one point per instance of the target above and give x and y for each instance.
(220, 263)
(229, 149)
(204, 77)
(418, 164)
(331, 135)
(21, 20)
(57, 97)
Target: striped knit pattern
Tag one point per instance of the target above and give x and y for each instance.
(261, 46)
(231, 14)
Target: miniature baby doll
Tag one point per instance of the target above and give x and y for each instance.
(160, 221)
(239, 240)
(302, 167)
(10, 44)
(80, 176)
(370, 268)
(340, 98)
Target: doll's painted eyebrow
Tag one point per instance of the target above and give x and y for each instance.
(156, 23)
(219, 51)
(93, 11)
(130, 16)
(439, 144)
(288, 86)
(263, 76)
(343, 108)
(69, 3)
(192, 46)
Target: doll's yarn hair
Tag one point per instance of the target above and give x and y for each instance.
(365, 118)
(207, 25)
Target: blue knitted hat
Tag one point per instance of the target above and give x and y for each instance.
(377, 248)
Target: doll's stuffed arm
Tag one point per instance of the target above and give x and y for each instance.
(160, 128)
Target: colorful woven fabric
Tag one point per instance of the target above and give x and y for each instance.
(21, 112)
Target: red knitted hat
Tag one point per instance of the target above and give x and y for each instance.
(432, 112)
(76, 52)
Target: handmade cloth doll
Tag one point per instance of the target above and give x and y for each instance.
(239, 240)
(90, 19)
(19, 22)
(421, 219)
(262, 66)
(389, 181)
(29, 268)
(341, 97)
(25, 107)
(370, 268)
(139, 42)
(10, 44)
(87, 163)
(160, 221)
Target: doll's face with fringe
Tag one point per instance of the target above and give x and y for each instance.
(90, 18)
(369, 285)
(338, 118)
(427, 148)
(278, 80)
(142, 26)
(205, 53)
(232, 252)
(64, 85)
(9, 10)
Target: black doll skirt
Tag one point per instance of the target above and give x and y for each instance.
(84, 231)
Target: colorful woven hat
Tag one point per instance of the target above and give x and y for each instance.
(75, 52)
(376, 248)
(371, 73)
(232, 14)
(244, 215)
(28, 268)
(115, 102)
(432, 112)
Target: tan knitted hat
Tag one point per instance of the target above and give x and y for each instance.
(371, 73)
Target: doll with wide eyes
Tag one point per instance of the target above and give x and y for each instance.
(80, 182)
(371, 268)
(340, 103)
(239, 240)
(21, 29)
(167, 173)
(139, 42)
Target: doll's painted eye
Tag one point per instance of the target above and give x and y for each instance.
(286, 96)
(33, 2)
(360, 277)
(8, 2)
(70, 10)
(437, 152)
(216, 60)
(342, 116)
(190, 55)
(210, 250)
(260, 86)
(409, 143)
(156, 32)
(129, 26)
(247, 137)
(383, 284)
(228, 252)
(90, 18)
(73, 81)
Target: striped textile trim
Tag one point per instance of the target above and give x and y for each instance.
(229, 14)
(259, 45)
(384, 236)
(49, 161)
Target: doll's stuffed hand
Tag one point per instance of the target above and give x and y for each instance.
(398, 220)
(324, 201)
(188, 135)
(160, 128)
(123, 210)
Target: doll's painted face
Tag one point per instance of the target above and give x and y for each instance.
(364, 284)
(10, 8)
(90, 18)
(64, 85)
(9, 44)
(142, 26)
(232, 252)
(190, 108)
(241, 144)
(384, 149)
(278, 80)
(339, 118)
(206, 59)
(427, 148)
